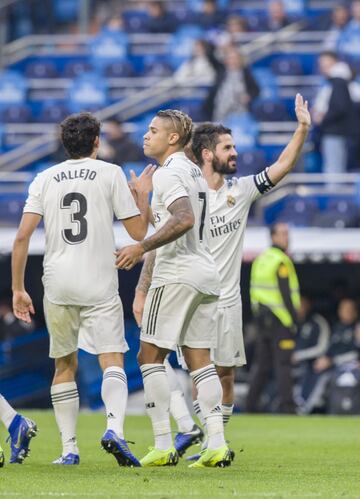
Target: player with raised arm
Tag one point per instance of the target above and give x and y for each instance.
(230, 199)
(184, 288)
(77, 200)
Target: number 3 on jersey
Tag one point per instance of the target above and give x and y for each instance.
(202, 199)
(77, 217)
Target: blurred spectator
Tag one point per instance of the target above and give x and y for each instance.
(340, 356)
(234, 28)
(311, 342)
(342, 347)
(276, 16)
(339, 18)
(334, 112)
(160, 21)
(202, 66)
(234, 89)
(10, 326)
(275, 300)
(116, 146)
(210, 17)
(349, 39)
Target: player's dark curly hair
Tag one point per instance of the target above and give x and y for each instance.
(78, 134)
(181, 122)
(206, 136)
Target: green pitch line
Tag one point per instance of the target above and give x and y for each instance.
(276, 457)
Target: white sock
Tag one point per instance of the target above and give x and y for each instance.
(7, 413)
(209, 397)
(178, 406)
(65, 400)
(227, 410)
(114, 393)
(198, 412)
(157, 402)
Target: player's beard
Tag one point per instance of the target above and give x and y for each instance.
(223, 168)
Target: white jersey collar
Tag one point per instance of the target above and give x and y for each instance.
(174, 155)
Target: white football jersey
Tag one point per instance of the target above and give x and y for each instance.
(229, 209)
(186, 260)
(78, 200)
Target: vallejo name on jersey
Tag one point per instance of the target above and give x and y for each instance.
(83, 173)
(219, 226)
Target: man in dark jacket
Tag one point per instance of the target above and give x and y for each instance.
(335, 113)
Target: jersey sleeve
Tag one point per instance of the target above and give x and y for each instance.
(124, 205)
(169, 187)
(33, 203)
(256, 185)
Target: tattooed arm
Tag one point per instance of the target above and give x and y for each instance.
(181, 220)
(143, 286)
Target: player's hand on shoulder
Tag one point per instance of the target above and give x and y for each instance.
(129, 256)
(302, 111)
(23, 306)
(142, 183)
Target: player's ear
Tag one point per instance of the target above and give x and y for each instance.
(207, 155)
(173, 138)
(97, 142)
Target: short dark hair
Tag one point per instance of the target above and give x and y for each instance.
(78, 134)
(329, 53)
(206, 136)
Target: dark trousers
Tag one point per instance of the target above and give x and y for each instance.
(273, 351)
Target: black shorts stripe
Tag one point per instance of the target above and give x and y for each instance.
(151, 310)
(157, 310)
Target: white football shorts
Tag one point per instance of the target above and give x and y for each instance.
(96, 329)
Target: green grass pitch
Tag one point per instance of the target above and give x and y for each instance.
(276, 457)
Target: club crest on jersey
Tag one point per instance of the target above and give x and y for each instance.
(230, 201)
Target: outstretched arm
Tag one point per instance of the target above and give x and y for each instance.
(181, 220)
(291, 153)
(22, 304)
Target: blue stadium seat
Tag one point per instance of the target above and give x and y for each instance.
(53, 112)
(154, 66)
(87, 92)
(135, 20)
(16, 114)
(245, 130)
(181, 44)
(119, 69)
(41, 69)
(283, 66)
(73, 69)
(270, 110)
(66, 10)
(108, 47)
(267, 83)
(250, 162)
(13, 88)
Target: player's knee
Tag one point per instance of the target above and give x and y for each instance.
(66, 367)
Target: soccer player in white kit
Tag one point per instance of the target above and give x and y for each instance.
(184, 289)
(77, 200)
(213, 149)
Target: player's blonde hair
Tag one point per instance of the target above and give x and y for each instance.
(181, 122)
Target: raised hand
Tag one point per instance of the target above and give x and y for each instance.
(142, 183)
(302, 111)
